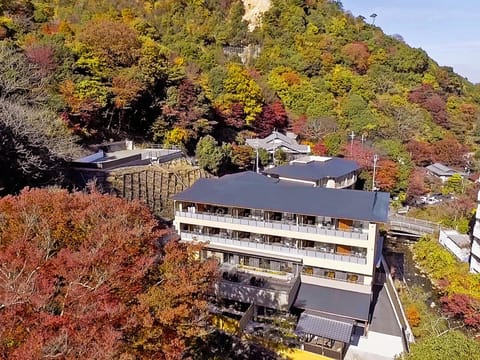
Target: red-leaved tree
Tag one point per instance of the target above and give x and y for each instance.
(462, 307)
(273, 116)
(84, 276)
(70, 267)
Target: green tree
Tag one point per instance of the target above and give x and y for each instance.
(451, 345)
(209, 155)
(454, 184)
(240, 87)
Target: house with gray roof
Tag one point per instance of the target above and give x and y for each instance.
(278, 141)
(443, 172)
(318, 171)
(286, 247)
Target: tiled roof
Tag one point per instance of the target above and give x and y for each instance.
(324, 327)
(333, 301)
(442, 170)
(255, 191)
(315, 170)
(277, 140)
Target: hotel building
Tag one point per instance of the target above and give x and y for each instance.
(290, 246)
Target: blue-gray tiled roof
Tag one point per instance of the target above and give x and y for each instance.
(324, 327)
(338, 302)
(315, 170)
(254, 191)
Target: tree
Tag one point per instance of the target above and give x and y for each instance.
(71, 265)
(273, 116)
(174, 311)
(210, 156)
(454, 184)
(421, 152)
(243, 156)
(387, 174)
(449, 151)
(416, 184)
(451, 345)
(113, 41)
(357, 54)
(239, 86)
(462, 307)
(314, 129)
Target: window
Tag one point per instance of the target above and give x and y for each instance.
(330, 274)
(352, 278)
(307, 270)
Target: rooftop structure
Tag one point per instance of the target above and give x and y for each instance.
(458, 244)
(277, 140)
(123, 154)
(287, 246)
(319, 171)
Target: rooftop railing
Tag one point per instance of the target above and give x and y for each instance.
(356, 233)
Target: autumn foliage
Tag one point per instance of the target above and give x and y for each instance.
(413, 315)
(72, 268)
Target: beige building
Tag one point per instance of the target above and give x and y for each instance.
(284, 246)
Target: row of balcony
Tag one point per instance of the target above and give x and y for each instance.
(327, 229)
(279, 247)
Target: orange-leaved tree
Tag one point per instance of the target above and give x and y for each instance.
(73, 267)
(174, 311)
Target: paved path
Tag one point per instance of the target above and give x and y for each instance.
(375, 346)
(383, 319)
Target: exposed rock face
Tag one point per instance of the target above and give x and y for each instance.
(254, 10)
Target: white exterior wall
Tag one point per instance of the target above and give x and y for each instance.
(461, 254)
(475, 251)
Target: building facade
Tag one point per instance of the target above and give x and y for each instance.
(475, 250)
(289, 246)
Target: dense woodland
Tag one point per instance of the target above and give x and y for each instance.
(83, 71)
(76, 72)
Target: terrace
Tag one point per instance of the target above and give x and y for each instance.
(286, 246)
(257, 286)
(321, 225)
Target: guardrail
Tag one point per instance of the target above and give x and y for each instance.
(407, 334)
(274, 248)
(361, 235)
(412, 224)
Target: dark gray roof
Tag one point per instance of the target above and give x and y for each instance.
(333, 301)
(324, 327)
(255, 191)
(442, 170)
(315, 170)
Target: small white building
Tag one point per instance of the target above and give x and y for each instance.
(458, 244)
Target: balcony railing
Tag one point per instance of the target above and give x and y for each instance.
(275, 247)
(360, 234)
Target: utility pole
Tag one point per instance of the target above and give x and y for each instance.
(352, 136)
(256, 160)
(375, 159)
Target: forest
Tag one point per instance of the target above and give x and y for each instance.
(194, 74)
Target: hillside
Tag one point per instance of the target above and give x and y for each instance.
(167, 71)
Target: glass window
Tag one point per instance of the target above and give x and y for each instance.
(352, 277)
(329, 274)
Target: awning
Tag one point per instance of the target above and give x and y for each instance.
(324, 327)
(338, 302)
